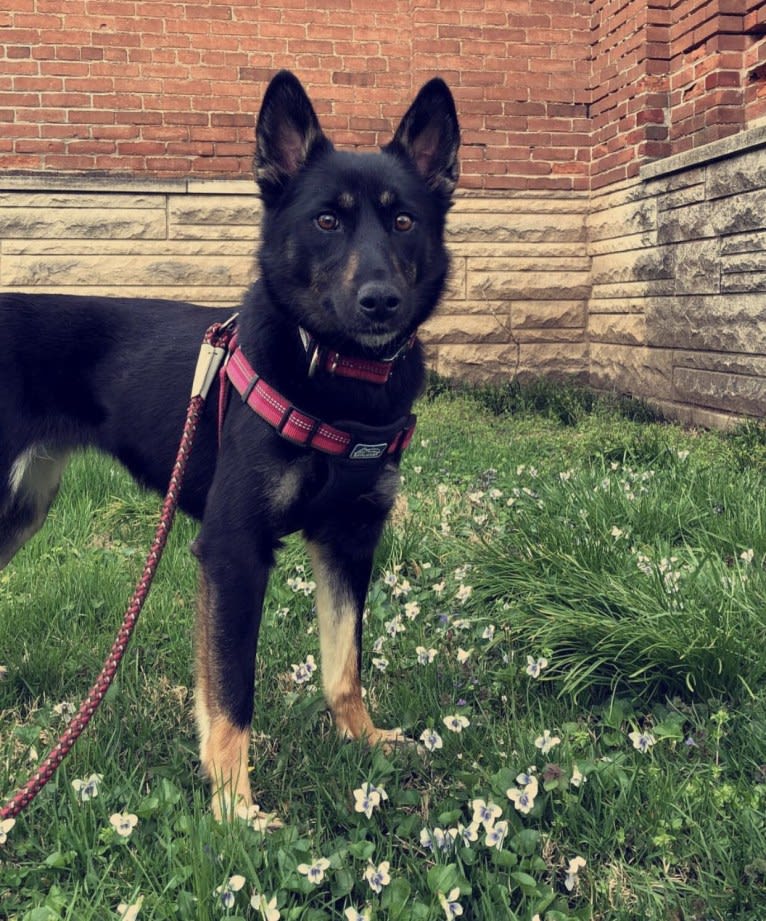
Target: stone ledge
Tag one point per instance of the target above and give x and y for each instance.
(98, 184)
(566, 202)
(56, 182)
(717, 150)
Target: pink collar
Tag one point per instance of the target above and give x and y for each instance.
(355, 442)
(373, 371)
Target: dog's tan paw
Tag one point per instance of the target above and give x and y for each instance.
(388, 739)
(227, 806)
(393, 741)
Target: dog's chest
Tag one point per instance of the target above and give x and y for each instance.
(310, 489)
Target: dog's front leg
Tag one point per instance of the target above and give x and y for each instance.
(342, 581)
(232, 586)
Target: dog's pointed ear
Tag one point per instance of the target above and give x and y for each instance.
(429, 136)
(287, 134)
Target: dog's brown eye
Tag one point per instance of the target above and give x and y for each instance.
(327, 221)
(404, 222)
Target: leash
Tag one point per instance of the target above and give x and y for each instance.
(212, 353)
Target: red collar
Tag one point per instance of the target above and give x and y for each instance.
(373, 371)
(353, 441)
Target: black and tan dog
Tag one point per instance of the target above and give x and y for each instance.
(323, 376)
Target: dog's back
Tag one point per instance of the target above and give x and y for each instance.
(83, 371)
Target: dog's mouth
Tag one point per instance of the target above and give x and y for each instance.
(377, 336)
(377, 339)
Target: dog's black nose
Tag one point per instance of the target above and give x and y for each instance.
(378, 299)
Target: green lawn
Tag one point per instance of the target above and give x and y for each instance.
(575, 587)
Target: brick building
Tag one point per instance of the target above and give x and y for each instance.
(611, 222)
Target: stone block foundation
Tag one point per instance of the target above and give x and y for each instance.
(677, 308)
(655, 287)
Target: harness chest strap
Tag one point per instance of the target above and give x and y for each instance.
(304, 429)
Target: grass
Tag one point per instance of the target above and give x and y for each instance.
(539, 524)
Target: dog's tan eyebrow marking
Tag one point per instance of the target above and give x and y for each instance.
(387, 198)
(346, 201)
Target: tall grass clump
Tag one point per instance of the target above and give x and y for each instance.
(567, 402)
(645, 579)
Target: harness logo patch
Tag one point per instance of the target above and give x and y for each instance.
(368, 452)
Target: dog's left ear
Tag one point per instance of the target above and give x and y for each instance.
(429, 136)
(287, 134)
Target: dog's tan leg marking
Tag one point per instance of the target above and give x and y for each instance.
(223, 745)
(341, 681)
(224, 755)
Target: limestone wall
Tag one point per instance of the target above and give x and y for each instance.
(190, 240)
(677, 312)
(655, 287)
(518, 290)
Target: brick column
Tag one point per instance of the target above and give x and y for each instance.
(629, 88)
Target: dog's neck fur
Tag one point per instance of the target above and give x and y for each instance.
(274, 347)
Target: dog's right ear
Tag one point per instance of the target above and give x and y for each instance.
(287, 135)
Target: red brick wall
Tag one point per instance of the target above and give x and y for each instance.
(172, 88)
(670, 75)
(754, 60)
(628, 93)
(553, 94)
(708, 42)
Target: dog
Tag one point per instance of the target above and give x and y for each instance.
(322, 378)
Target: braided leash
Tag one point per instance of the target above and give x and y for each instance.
(212, 353)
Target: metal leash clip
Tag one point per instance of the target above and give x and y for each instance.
(209, 361)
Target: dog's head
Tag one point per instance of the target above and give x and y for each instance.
(353, 245)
